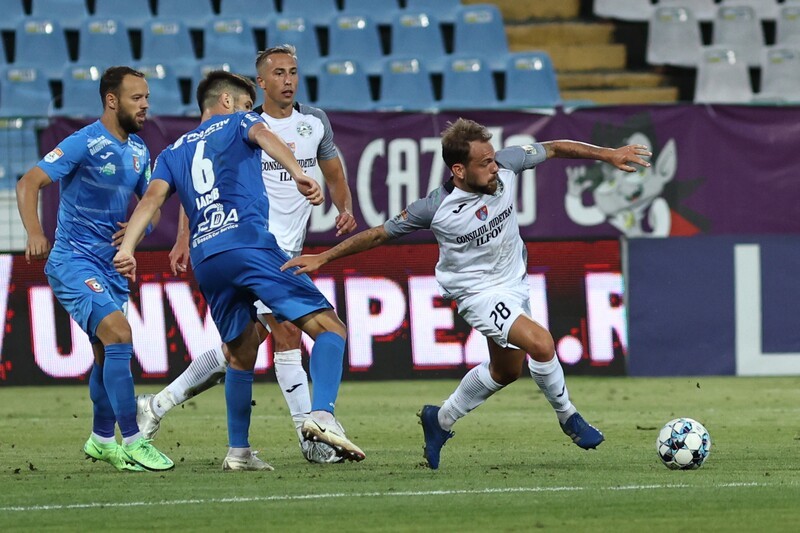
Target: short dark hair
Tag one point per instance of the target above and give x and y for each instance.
(112, 79)
(217, 82)
(287, 49)
(456, 138)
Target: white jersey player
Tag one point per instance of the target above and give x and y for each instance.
(483, 267)
(307, 131)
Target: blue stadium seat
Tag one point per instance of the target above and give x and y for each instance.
(168, 42)
(381, 11)
(444, 10)
(165, 90)
(356, 36)
(135, 13)
(343, 85)
(297, 32)
(12, 15)
(531, 81)
(479, 30)
(194, 13)
(3, 59)
(81, 96)
(70, 14)
(318, 12)
(231, 40)
(405, 86)
(33, 35)
(467, 83)
(419, 34)
(24, 92)
(257, 12)
(19, 151)
(104, 42)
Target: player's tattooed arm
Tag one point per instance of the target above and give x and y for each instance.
(623, 158)
(360, 242)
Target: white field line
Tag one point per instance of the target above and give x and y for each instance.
(336, 495)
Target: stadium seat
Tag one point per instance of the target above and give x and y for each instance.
(636, 10)
(356, 36)
(135, 13)
(381, 11)
(80, 96)
(19, 151)
(780, 75)
(531, 81)
(258, 13)
(194, 13)
(168, 42)
(444, 10)
(343, 85)
(317, 12)
(722, 78)
(739, 28)
(704, 10)
(405, 86)
(298, 33)
(479, 31)
(764, 9)
(70, 14)
(165, 91)
(231, 40)
(24, 92)
(418, 34)
(467, 83)
(673, 37)
(104, 42)
(33, 35)
(787, 27)
(12, 15)
(3, 58)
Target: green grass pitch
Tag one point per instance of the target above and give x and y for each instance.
(509, 467)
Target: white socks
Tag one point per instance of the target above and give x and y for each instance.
(549, 377)
(202, 373)
(293, 381)
(475, 387)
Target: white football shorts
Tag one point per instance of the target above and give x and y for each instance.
(493, 311)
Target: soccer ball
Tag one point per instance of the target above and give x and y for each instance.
(683, 444)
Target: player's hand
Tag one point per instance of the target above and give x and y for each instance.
(125, 264)
(309, 188)
(38, 247)
(116, 239)
(633, 153)
(345, 223)
(179, 256)
(306, 264)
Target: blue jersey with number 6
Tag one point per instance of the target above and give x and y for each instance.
(216, 171)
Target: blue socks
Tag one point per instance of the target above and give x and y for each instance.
(326, 370)
(118, 383)
(238, 398)
(104, 419)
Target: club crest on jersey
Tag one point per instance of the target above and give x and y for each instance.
(136, 166)
(482, 213)
(304, 129)
(94, 285)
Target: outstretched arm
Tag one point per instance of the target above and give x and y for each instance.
(619, 157)
(360, 242)
(157, 193)
(264, 137)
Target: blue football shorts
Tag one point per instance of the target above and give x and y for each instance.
(88, 292)
(231, 281)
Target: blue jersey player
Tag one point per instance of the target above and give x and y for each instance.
(98, 168)
(216, 171)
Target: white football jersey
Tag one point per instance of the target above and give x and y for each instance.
(308, 133)
(479, 242)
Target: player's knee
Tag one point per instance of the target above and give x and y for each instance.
(542, 347)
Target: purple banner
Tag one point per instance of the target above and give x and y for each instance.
(716, 170)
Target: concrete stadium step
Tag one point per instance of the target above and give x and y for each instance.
(610, 79)
(653, 95)
(540, 34)
(520, 10)
(594, 57)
